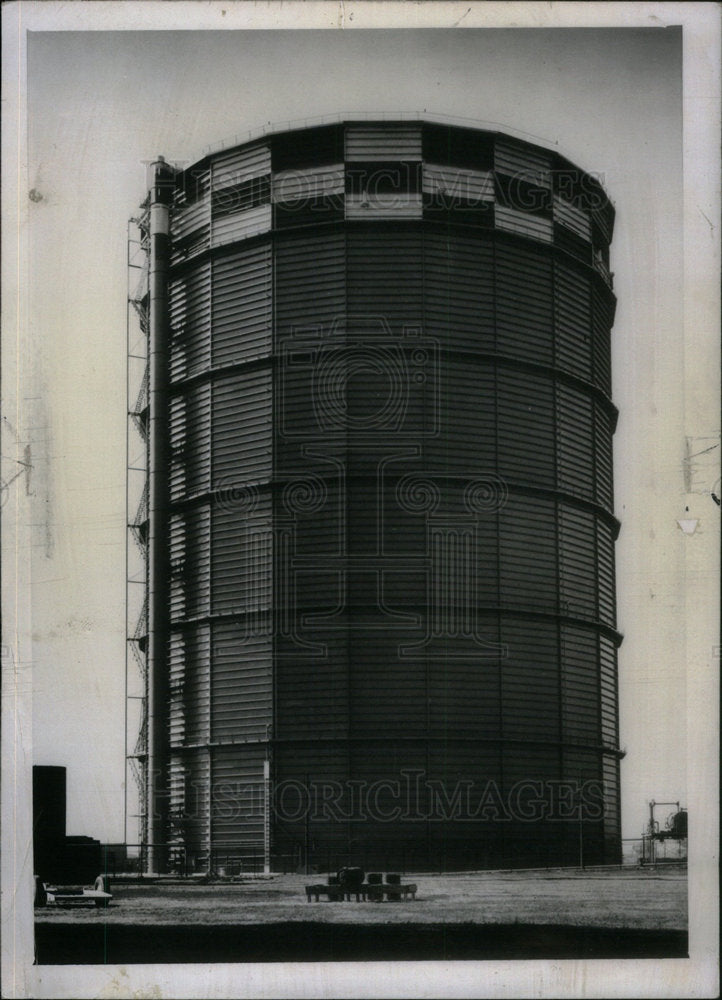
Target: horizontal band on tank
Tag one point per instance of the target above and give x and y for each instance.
(430, 226)
(277, 485)
(564, 248)
(427, 738)
(505, 361)
(504, 612)
(558, 251)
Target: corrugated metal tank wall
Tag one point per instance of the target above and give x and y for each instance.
(392, 538)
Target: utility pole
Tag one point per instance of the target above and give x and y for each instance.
(306, 822)
(581, 830)
(267, 806)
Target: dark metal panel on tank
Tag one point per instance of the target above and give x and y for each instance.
(197, 683)
(457, 147)
(190, 320)
(605, 561)
(530, 771)
(189, 655)
(576, 246)
(518, 159)
(447, 186)
(312, 680)
(242, 555)
(190, 436)
(608, 691)
(197, 443)
(176, 441)
(528, 554)
(573, 218)
(453, 195)
(602, 212)
(308, 211)
(242, 305)
(530, 679)
(604, 485)
(307, 147)
(177, 553)
(190, 216)
(237, 805)
(575, 436)
(313, 505)
(458, 290)
(464, 801)
(467, 768)
(525, 414)
(394, 800)
(242, 434)
(393, 204)
(313, 805)
(523, 302)
(577, 583)
(176, 795)
(297, 427)
(572, 292)
(375, 387)
(380, 680)
(384, 275)
(242, 671)
(612, 810)
(465, 410)
(190, 539)
(463, 684)
(524, 761)
(602, 318)
(585, 807)
(579, 684)
(309, 284)
(197, 798)
(582, 764)
(190, 806)
(176, 690)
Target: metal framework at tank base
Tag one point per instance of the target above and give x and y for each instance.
(223, 861)
(227, 864)
(654, 841)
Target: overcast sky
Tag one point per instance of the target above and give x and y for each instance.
(103, 103)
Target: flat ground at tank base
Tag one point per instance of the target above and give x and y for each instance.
(491, 915)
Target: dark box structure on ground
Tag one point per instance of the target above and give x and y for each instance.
(56, 857)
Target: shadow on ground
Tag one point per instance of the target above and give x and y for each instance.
(66, 944)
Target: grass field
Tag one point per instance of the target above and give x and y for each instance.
(643, 899)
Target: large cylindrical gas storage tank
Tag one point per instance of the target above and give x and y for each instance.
(391, 637)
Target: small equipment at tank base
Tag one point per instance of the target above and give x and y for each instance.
(70, 895)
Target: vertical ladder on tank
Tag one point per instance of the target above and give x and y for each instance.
(136, 575)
